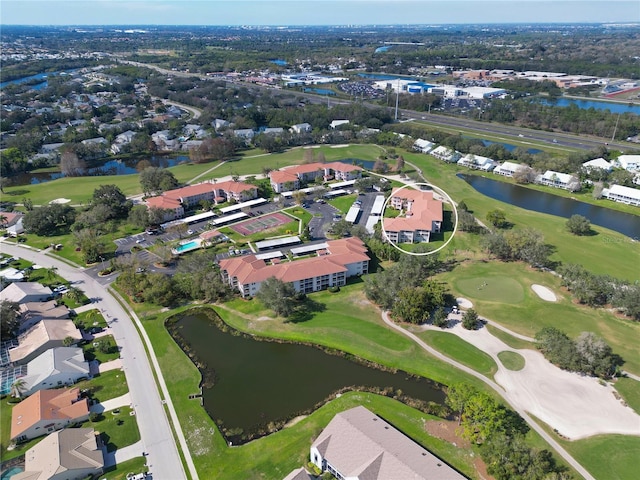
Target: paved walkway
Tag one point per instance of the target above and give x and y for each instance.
(123, 454)
(112, 404)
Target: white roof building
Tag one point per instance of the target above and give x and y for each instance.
(359, 445)
(559, 180)
(424, 146)
(26, 292)
(477, 162)
(337, 123)
(629, 162)
(446, 154)
(618, 193)
(507, 169)
(600, 163)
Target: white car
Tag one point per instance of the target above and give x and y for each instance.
(190, 232)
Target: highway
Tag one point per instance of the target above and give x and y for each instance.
(157, 438)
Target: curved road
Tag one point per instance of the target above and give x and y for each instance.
(157, 438)
(548, 438)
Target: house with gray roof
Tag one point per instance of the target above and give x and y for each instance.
(54, 368)
(359, 445)
(43, 336)
(26, 292)
(69, 454)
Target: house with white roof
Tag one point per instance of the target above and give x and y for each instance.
(596, 163)
(446, 154)
(508, 169)
(423, 146)
(359, 445)
(54, 368)
(559, 180)
(618, 193)
(630, 163)
(337, 123)
(300, 128)
(69, 454)
(477, 162)
(26, 292)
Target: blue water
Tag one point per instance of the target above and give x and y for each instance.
(511, 148)
(320, 91)
(598, 105)
(382, 49)
(7, 474)
(187, 246)
(39, 76)
(281, 63)
(367, 164)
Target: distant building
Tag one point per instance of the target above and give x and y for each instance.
(340, 260)
(445, 154)
(359, 445)
(291, 178)
(508, 169)
(69, 454)
(600, 163)
(421, 216)
(559, 180)
(618, 193)
(423, 146)
(477, 162)
(300, 128)
(337, 123)
(630, 163)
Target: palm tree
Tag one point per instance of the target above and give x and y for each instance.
(51, 273)
(74, 294)
(18, 387)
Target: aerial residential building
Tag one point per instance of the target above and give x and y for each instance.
(445, 154)
(292, 178)
(54, 368)
(618, 193)
(339, 260)
(600, 163)
(630, 163)
(508, 169)
(559, 180)
(41, 337)
(69, 454)
(33, 312)
(46, 411)
(477, 162)
(359, 445)
(337, 123)
(177, 201)
(300, 128)
(26, 292)
(423, 146)
(421, 215)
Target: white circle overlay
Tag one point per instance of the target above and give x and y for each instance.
(438, 190)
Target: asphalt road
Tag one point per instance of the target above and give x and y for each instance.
(156, 436)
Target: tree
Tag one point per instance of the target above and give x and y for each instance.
(440, 318)
(307, 156)
(68, 341)
(9, 320)
(626, 298)
(71, 165)
(112, 197)
(470, 319)
(462, 207)
(380, 167)
(457, 397)
(399, 163)
(18, 388)
(91, 243)
(412, 305)
(497, 218)
(74, 294)
(279, 296)
(299, 197)
(49, 219)
(155, 180)
(467, 222)
(579, 225)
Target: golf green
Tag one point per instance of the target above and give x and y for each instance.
(491, 288)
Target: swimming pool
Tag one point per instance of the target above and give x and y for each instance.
(185, 247)
(7, 474)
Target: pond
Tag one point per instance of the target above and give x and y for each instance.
(110, 167)
(366, 164)
(248, 383)
(625, 223)
(598, 105)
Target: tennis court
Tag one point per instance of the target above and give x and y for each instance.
(255, 225)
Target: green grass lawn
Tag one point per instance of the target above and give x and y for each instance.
(92, 352)
(6, 409)
(120, 471)
(512, 360)
(629, 389)
(532, 313)
(107, 385)
(491, 288)
(457, 349)
(118, 428)
(343, 203)
(90, 318)
(510, 340)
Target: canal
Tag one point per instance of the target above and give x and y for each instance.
(248, 383)
(625, 223)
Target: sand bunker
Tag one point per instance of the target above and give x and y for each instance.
(339, 146)
(544, 293)
(464, 303)
(60, 200)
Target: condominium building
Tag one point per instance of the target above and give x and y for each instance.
(420, 216)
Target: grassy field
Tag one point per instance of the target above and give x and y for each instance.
(120, 471)
(107, 385)
(118, 428)
(92, 352)
(629, 389)
(457, 349)
(512, 360)
(508, 339)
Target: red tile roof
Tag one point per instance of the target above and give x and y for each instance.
(424, 211)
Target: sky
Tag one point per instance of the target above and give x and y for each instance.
(314, 12)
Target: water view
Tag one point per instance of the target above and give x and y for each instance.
(625, 223)
(598, 105)
(250, 383)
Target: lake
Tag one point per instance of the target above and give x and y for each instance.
(598, 105)
(249, 383)
(111, 167)
(523, 197)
